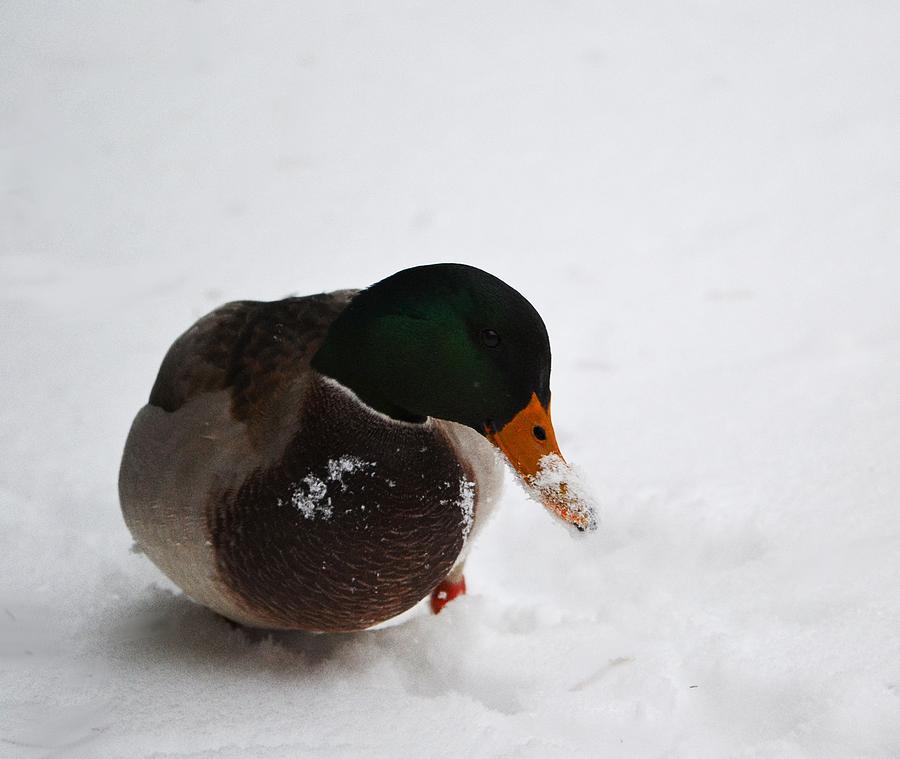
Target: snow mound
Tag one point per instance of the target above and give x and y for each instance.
(700, 200)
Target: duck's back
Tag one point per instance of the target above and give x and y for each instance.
(197, 435)
(255, 350)
(271, 495)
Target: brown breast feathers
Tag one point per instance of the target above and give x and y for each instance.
(360, 520)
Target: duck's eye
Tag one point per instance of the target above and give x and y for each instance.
(490, 338)
(539, 432)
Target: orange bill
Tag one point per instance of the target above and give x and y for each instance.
(525, 440)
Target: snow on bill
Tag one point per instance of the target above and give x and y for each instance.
(559, 483)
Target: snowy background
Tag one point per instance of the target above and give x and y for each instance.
(703, 201)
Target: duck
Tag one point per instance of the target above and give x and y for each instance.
(325, 462)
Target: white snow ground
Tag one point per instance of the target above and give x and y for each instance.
(701, 198)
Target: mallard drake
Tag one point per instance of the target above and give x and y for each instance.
(323, 463)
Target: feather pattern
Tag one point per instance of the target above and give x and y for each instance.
(272, 495)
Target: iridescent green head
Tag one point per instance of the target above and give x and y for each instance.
(453, 342)
(446, 340)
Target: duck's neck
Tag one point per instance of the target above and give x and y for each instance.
(371, 374)
(371, 397)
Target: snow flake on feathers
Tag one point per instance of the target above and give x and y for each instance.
(310, 495)
(465, 502)
(467, 505)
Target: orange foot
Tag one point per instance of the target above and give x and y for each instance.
(446, 592)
